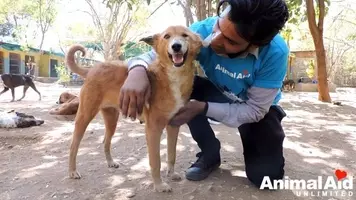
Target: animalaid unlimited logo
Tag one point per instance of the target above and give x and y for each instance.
(338, 185)
(241, 75)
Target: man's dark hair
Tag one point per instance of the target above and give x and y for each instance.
(257, 21)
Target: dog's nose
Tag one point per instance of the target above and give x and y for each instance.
(176, 47)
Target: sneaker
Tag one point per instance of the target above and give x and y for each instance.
(201, 168)
(211, 121)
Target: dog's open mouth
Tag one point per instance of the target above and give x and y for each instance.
(178, 59)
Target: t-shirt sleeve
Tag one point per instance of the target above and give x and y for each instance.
(272, 72)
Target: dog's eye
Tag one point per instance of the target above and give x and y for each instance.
(167, 36)
(184, 35)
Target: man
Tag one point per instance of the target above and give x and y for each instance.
(245, 66)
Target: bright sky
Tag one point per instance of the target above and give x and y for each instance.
(69, 13)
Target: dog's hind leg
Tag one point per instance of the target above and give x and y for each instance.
(25, 87)
(154, 128)
(110, 115)
(172, 136)
(86, 112)
(32, 85)
(4, 90)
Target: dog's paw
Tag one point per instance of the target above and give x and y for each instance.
(174, 176)
(113, 164)
(162, 187)
(74, 175)
(53, 111)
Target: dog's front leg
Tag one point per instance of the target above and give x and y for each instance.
(153, 137)
(172, 136)
(4, 90)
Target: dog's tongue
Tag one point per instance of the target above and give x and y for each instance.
(177, 58)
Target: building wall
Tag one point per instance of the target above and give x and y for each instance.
(42, 61)
(299, 64)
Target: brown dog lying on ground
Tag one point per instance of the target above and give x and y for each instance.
(11, 81)
(69, 104)
(171, 77)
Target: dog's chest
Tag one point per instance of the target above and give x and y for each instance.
(176, 83)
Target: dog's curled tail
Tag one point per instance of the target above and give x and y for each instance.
(70, 60)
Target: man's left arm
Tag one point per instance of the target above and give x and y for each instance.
(260, 95)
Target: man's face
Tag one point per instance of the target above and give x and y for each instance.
(226, 41)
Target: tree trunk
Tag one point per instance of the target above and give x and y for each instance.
(198, 9)
(42, 40)
(187, 12)
(323, 87)
(203, 10)
(210, 12)
(316, 31)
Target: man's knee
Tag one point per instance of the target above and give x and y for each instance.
(257, 172)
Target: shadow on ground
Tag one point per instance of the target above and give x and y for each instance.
(34, 162)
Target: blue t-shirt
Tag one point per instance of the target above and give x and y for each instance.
(238, 74)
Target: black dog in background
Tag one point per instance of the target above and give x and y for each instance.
(11, 81)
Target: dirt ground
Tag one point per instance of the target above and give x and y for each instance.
(319, 139)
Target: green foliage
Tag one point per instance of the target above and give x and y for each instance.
(132, 49)
(130, 3)
(311, 69)
(297, 10)
(351, 37)
(20, 13)
(63, 73)
(287, 34)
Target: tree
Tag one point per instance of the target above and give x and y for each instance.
(15, 17)
(113, 20)
(297, 8)
(316, 30)
(44, 13)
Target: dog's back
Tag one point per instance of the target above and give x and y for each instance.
(15, 80)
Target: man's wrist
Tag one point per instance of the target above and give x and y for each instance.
(137, 68)
(206, 107)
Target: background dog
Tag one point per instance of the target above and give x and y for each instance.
(68, 105)
(171, 76)
(11, 81)
(288, 85)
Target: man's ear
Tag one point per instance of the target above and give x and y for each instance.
(150, 40)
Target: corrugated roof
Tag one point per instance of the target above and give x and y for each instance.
(16, 47)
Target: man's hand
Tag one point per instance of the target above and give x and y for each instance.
(135, 91)
(188, 112)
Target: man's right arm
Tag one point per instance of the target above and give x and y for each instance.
(142, 60)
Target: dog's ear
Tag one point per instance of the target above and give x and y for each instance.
(197, 38)
(150, 40)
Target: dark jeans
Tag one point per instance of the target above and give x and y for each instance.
(262, 141)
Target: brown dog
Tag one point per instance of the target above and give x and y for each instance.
(171, 77)
(69, 104)
(288, 85)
